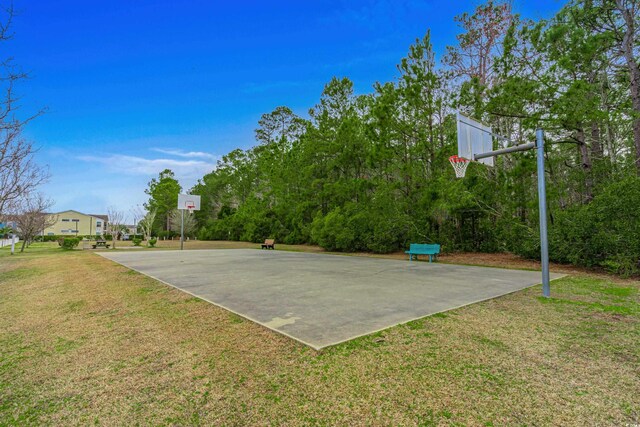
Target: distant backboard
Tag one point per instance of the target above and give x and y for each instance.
(474, 138)
(189, 201)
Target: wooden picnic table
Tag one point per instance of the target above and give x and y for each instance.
(100, 244)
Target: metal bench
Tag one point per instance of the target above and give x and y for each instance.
(269, 244)
(416, 249)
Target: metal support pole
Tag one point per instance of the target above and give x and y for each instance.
(542, 203)
(182, 229)
(515, 148)
(13, 243)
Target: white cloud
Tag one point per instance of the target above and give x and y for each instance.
(187, 154)
(120, 180)
(133, 165)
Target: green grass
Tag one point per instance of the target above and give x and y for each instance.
(85, 341)
(33, 248)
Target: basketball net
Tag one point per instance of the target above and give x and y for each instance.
(459, 165)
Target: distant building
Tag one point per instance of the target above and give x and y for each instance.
(74, 223)
(128, 231)
(131, 229)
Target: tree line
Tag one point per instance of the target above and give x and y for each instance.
(370, 172)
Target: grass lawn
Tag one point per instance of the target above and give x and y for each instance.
(86, 341)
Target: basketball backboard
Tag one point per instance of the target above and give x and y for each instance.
(474, 138)
(189, 202)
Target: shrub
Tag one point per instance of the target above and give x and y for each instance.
(152, 242)
(334, 231)
(59, 237)
(167, 234)
(136, 241)
(387, 233)
(53, 238)
(604, 233)
(69, 242)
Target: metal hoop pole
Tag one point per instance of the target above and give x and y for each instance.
(181, 229)
(522, 147)
(542, 203)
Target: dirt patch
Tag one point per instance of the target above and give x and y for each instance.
(612, 317)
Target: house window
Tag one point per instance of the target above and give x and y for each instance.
(51, 234)
(98, 224)
(65, 220)
(75, 220)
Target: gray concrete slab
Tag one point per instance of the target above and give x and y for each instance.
(321, 299)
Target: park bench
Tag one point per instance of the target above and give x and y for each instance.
(416, 249)
(100, 244)
(269, 244)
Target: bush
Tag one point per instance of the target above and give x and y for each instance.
(152, 242)
(253, 222)
(136, 241)
(336, 231)
(167, 234)
(58, 238)
(604, 233)
(68, 243)
(217, 229)
(388, 234)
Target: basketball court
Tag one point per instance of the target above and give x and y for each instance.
(320, 299)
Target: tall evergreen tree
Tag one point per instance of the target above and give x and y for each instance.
(370, 172)
(163, 198)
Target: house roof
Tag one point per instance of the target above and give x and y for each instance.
(105, 218)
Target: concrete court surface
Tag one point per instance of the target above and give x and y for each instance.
(320, 299)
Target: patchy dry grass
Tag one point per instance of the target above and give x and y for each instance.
(87, 341)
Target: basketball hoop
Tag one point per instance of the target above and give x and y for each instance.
(189, 203)
(459, 165)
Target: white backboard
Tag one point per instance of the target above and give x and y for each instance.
(474, 138)
(189, 201)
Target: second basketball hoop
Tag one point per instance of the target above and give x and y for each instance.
(186, 202)
(189, 202)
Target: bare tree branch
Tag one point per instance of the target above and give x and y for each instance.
(19, 174)
(189, 222)
(114, 223)
(31, 217)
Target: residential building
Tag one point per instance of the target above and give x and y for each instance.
(128, 231)
(74, 223)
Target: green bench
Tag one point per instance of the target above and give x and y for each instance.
(416, 249)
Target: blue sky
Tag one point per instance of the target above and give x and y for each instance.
(133, 87)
